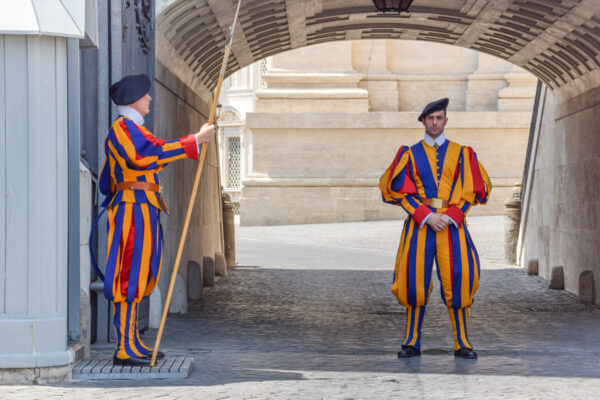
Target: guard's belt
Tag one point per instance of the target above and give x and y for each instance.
(436, 203)
(153, 187)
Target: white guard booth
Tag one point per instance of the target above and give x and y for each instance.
(33, 181)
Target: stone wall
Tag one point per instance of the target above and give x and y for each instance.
(326, 167)
(333, 115)
(564, 208)
(178, 112)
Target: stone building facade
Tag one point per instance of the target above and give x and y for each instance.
(316, 126)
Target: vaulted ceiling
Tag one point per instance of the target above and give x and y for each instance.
(557, 40)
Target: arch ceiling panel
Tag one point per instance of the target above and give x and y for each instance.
(557, 40)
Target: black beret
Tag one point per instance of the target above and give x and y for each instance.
(434, 106)
(130, 89)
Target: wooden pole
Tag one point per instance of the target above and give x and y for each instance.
(186, 224)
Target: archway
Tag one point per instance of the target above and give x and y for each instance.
(557, 42)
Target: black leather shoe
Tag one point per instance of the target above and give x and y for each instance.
(132, 361)
(409, 351)
(463, 352)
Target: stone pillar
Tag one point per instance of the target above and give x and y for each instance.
(85, 264)
(512, 220)
(485, 83)
(299, 82)
(33, 203)
(424, 79)
(208, 271)
(220, 264)
(370, 59)
(557, 278)
(229, 231)
(587, 292)
(519, 95)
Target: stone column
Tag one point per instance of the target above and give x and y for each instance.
(422, 79)
(485, 82)
(297, 81)
(519, 95)
(512, 220)
(370, 59)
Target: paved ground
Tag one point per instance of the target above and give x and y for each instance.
(308, 314)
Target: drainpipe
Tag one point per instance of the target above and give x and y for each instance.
(534, 134)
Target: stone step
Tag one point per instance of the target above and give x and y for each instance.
(103, 368)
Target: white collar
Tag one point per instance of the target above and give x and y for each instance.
(132, 114)
(440, 140)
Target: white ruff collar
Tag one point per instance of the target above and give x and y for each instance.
(440, 140)
(132, 114)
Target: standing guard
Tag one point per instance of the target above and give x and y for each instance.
(129, 180)
(436, 182)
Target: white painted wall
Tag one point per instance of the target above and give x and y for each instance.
(33, 201)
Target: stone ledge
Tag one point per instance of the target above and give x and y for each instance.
(385, 120)
(341, 182)
(275, 77)
(37, 375)
(37, 360)
(327, 93)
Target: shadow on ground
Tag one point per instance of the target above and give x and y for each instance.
(261, 324)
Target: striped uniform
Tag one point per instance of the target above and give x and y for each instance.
(135, 239)
(453, 173)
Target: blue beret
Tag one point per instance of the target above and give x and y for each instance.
(434, 106)
(130, 89)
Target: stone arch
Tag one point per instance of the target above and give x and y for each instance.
(558, 42)
(230, 114)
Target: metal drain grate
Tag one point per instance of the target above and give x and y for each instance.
(167, 368)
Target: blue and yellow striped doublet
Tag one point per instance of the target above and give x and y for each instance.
(453, 174)
(135, 238)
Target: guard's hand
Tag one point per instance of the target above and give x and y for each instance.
(206, 134)
(438, 222)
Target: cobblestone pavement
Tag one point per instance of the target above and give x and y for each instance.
(308, 314)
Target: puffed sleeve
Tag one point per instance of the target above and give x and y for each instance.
(475, 184)
(141, 150)
(398, 186)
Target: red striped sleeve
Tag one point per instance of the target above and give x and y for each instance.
(190, 146)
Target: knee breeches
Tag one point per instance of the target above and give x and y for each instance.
(134, 255)
(457, 265)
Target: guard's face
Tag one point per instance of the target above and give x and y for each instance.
(142, 105)
(434, 123)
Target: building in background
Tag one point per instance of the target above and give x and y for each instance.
(306, 134)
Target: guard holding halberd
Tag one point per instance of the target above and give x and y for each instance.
(129, 180)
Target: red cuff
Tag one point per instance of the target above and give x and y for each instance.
(190, 146)
(420, 213)
(456, 214)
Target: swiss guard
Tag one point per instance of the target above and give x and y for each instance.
(436, 182)
(129, 180)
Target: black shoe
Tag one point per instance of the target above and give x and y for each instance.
(132, 361)
(463, 352)
(409, 351)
